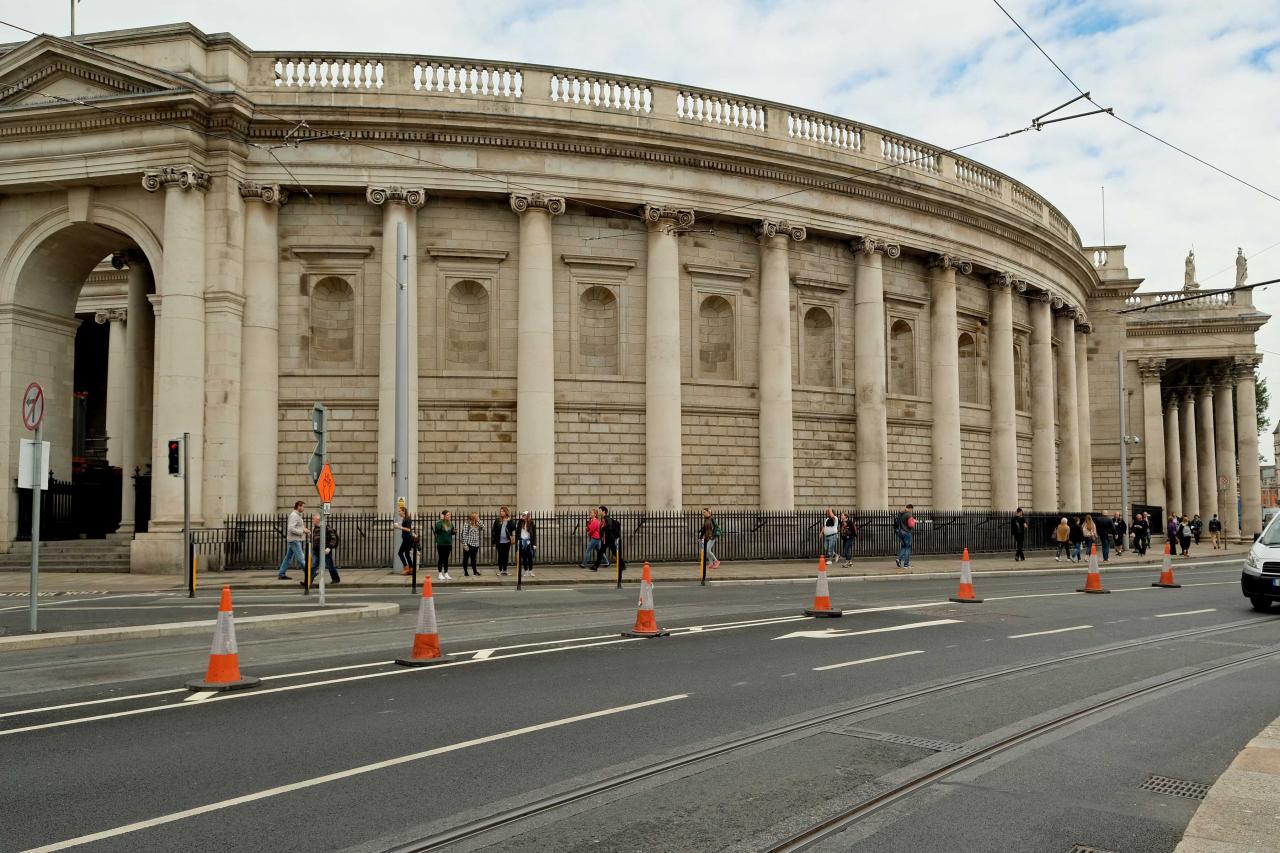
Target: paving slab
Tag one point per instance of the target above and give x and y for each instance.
(1241, 812)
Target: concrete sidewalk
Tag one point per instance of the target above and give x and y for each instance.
(1241, 813)
(865, 568)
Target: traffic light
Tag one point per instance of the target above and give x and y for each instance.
(175, 457)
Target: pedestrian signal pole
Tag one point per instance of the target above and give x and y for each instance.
(401, 467)
(179, 466)
(322, 477)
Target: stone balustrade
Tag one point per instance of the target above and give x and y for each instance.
(698, 111)
(1176, 300)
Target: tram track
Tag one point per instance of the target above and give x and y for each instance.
(545, 805)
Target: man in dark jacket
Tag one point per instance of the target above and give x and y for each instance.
(610, 539)
(1141, 533)
(1106, 534)
(1122, 532)
(1077, 537)
(1018, 528)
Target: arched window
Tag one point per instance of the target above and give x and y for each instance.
(970, 370)
(902, 358)
(468, 335)
(715, 338)
(1019, 379)
(333, 326)
(819, 366)
(598, 331)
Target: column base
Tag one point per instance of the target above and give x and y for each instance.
(158, 553)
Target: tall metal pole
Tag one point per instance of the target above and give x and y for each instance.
(186, 514)
(401, 478)
(36, 468)
(73, 16)
(1124, 442)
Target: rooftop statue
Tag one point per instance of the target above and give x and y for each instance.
(1189, 277)
(1242, 267)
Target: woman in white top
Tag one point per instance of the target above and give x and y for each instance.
(830, 534)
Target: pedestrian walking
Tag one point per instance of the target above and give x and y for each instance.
(1215, 532)
(1171, 533)
(1122, 532)
(330, 546)
(830, 534)
(471, 544)
(1088, 535)
(527, 542)
(610, 541)
(904, 524)
(295, 534)
(710, 533)
(1141, 533)
(848, 535)
(1185, 534)
(444, 532)
(501, 534)
(1077, 538)
(593, 540)
(1018, 529)
(1062, 536)
(408, 552)
(1105, 533)
(1196, 526)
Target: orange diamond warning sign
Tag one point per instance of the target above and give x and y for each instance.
(325, 484)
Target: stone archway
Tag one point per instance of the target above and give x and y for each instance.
(41, 284)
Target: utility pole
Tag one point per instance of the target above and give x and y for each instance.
(1125, 438)
(401, 467)
(73, 16)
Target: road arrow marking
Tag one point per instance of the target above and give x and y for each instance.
(832, 632)
(201, 696)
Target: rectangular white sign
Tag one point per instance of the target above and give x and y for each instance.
(27, 465)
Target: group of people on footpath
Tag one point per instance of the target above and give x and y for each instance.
(504, 532)
(604, 537)
(296, 533)
(1075, 535)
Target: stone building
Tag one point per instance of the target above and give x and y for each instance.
(619, 290)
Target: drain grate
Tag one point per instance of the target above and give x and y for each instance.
(1085, 848)
(1175, 787)
(906, 740)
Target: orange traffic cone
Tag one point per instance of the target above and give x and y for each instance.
(426, 642)
(1166, 572)
(965, 595)
(1093, 580)
(224, 660)
(822, 596)
(646, 619)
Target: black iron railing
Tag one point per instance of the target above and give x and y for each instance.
(367, 540)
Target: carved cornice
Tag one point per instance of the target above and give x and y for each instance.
(111, 315)
(780, 228)
(265, 193)
(182, 177)
(868, 245)
(654, 215)
(1151, 369)
(951, 262)
(414, 197)
(524, 202)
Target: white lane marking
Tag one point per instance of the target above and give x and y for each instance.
(201, 696)
(483, 654)
(90, 702)
(347, 774)
(44, 604)
(867, 660)
(1186, 612)
(1054, 631)
(832, 632)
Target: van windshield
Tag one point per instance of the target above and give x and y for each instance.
(1271, 536)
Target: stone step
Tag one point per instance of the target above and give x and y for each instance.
(69, 568)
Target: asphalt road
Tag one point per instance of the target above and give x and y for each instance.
(340, 749)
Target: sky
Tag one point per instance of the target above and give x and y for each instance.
(1204, 76)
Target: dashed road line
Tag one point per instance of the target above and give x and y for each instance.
(1054, 631)
(867, 660)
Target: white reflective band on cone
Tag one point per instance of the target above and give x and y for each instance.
(823, 591)
(427, 616)
(646, 595)
(966, 572)
(224, 635)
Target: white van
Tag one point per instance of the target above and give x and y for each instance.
(1260, 580)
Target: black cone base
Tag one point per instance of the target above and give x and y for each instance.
(821, 614)
(223, 686)
(965, 600)
(423, 661)
(1168, 585)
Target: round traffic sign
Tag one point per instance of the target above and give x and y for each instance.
(32, 406)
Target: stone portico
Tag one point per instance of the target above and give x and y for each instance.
(601, 309)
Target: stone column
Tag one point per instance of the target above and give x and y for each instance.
(664, 488)
(139, 335)
(1224, 433)
(1068, 416)
(399, 204)
(1084, 415)
(1044, 460)
(1173, 456)
(945, 391)
(1190, 459)
(535, 353)
(180, 354)
(1247, 426)
(777, 451)
(1004, 435)
(871, 372)
(119, 404)
(260, 364)
(1206, 453)
(1150, 370)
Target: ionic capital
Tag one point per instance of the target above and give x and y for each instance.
(414, 197)
(1042, 296)
(111, 315)
(780, 228)
(1083, 326)
(265, 193)
(1151, 369)
(181, 177)
(657, 216)
(951, 262)
(524, 202)
(869, 245)
(1187, 395)
(1005, 281)
(126, 258)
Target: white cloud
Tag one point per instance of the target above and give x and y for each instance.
(944, 72)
